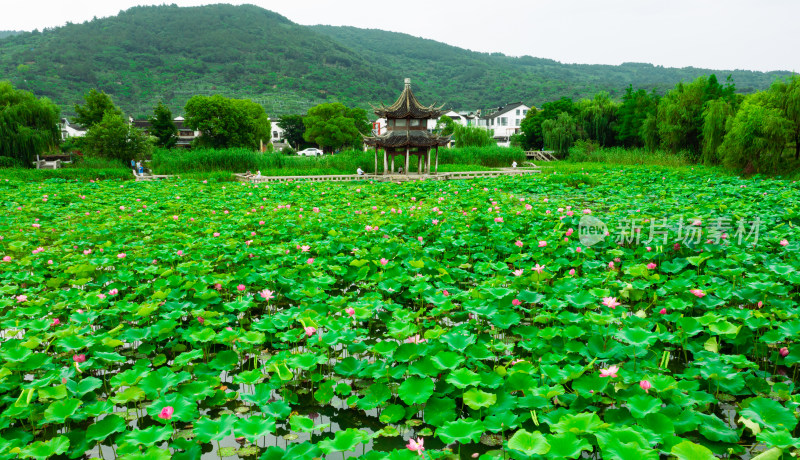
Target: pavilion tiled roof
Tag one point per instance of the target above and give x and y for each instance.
(407, 138)
(407, 106)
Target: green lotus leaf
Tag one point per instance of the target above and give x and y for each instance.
(770, 415)
(529, 443)
(477, 399)
(60, 411)
(148, 436)
(304, 424)
(130, 394)
(462, 378)
(567, 445)
(714, 429)
(46, 449)
(208, 430)
(463, 431)
(392, 414)
(687, 450)
(84, 386)
(415, 390)
(641, 405)
(447, 360)
(104, 428)
(780, 439)
(344, 441)
(152, 453)
(254, 427)
(187, 357)
(579, 423)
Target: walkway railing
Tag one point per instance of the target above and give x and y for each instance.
(389, 178)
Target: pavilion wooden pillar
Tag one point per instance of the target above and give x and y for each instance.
(428, 161)
(407, 153)
(436, 165)
(392, 164)
(419, 164)
(376, 160)
(385, 162)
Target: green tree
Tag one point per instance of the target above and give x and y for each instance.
(162, 127)
(28, 126)
(715, 119)
(559, 134)
(114, 138)
(472, 136)
(531, 125)
(96, 104)
(634, 109)
(787, 99)
(333, 125)
(293, 129)
(226, 122)
(445, 126)
(598, 118)
(757, 137)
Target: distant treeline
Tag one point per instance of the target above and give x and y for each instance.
(705, 121)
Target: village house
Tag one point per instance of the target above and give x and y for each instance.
(69, 130)
(504, 121)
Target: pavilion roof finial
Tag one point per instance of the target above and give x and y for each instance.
(408, 82)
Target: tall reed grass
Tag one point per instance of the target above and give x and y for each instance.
(629, 156)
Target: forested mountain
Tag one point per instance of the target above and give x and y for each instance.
(8, 33)
(150, 53)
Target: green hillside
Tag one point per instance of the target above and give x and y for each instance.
(172, 53)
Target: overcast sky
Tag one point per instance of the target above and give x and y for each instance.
(716, 34)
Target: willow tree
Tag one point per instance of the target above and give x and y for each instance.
(757, 137)
(715, 117)
(472, 136)
(28, 126)
(787, 97)
(598, 117)
(559, 134)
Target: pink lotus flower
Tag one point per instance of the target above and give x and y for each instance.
(384, 261)
(216, 233)
(310, 330)
(240, 287)
(55, 322)
(578, 249)
(201, 320)
(538, 268)
(416, 445)
(434, 221)
(22, 298)
(611, 265)
(610, 372)
(784, 352)
(645, 386)
(415, 339)
(166, 413)
(518, 272)
(649, 248)
(542, 243)
(310, 260)
(516, 302)
(350, 311)
(180, 252)
(519, 243)
(498, 219)
(121, 255)
(663, 311)
(445, 293)
(79, 358)
(114, 291)
(419, 238)
(611, 302)
(784, 242)
(86, 252)
(305, 248)
(698, 293)
(267, 294)
(571, 271)
(651, 266)
(7, 259)
(569, 232)
(101, 296)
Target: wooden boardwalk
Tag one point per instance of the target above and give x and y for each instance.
(388, 178)
(541, 155)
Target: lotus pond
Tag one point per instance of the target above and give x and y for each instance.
(631, 313)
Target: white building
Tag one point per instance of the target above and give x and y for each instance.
(277, 132)
(504, 121)
(68, 130)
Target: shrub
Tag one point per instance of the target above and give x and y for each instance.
(492, 156)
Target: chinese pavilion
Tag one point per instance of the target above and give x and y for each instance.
(407, 133)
